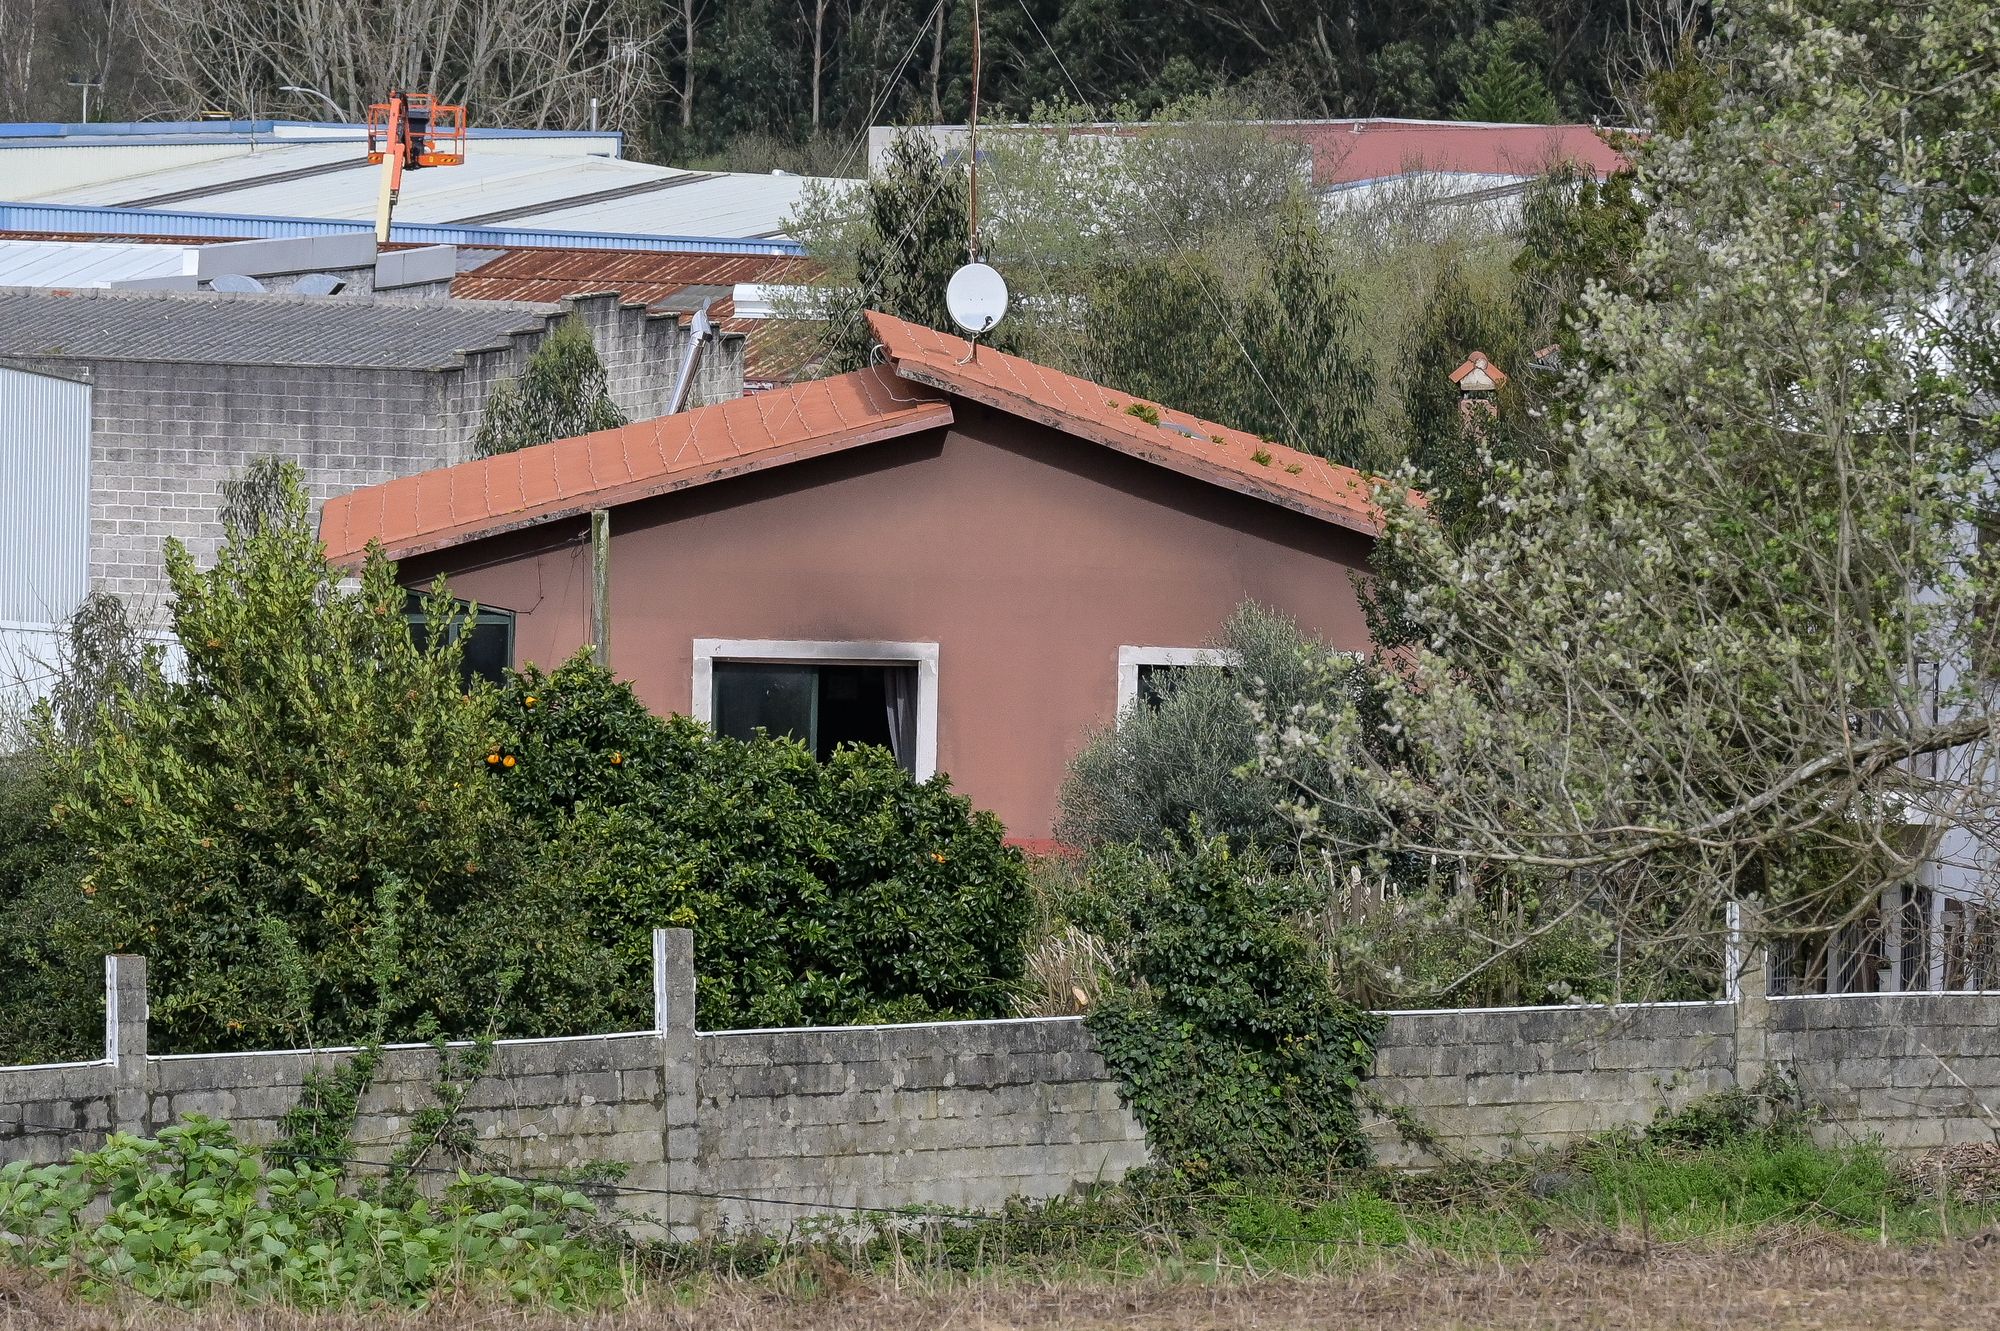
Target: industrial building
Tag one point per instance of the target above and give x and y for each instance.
(243, 173)
(122, 412)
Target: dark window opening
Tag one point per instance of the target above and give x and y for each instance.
(1158, 682)
(821, 706)
(488, 638)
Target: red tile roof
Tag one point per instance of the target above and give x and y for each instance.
(1478, 361)
(445, 507)
(1214, 453)
(452, 505)
(1347, 152)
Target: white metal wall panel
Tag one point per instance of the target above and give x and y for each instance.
(44, 497)
(29, 656)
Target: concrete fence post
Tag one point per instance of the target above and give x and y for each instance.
(125, 1043)
(1748, 985)
(680, 1075)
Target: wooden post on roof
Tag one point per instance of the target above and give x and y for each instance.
(600, 584)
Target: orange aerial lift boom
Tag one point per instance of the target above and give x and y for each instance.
(408, 131)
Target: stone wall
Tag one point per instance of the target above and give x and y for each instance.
(741, 1128)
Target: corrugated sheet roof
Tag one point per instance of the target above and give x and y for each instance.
(450, 505)
(637, 275)
(1347, 152)
(194, 227)
(727, 205)
(771, 351)
(54, 263)
(1350, 152)
(217, 329)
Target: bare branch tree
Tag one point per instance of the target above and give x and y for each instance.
(537, 63)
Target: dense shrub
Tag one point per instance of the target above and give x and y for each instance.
(192, 1215)
(51, 975)
(1222, 1025)
(1141, 781)
(817, 892)
(317, 832)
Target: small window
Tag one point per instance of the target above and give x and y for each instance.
(1146, 674)
(1158, 681)
(821, 705)
(488, 637)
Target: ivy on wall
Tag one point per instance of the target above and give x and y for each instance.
(1221, 1023)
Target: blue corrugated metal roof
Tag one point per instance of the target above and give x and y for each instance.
(85, 220)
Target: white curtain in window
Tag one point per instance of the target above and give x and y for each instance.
(899, 690)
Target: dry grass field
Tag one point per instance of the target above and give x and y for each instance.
(1807, 1282)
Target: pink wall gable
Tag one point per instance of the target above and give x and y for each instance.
(1028, 556)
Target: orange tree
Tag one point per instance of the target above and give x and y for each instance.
(817, 892)
(318, 831)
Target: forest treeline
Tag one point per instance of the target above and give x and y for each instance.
(757, 84)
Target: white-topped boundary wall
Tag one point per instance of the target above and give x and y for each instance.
(729, 1129)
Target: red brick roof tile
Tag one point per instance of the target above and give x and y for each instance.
(450, 505)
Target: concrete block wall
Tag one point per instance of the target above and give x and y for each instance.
(964, 1115)
(642, 353)
(1915, 1070)
(1491, 1082)
(164, 437)
(762, 1128)
(952, 1114)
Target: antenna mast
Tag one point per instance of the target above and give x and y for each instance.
(972, 194)
(976, 296)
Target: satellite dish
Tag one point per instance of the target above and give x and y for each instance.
(318, 284)
(237, 283)
(976, 296)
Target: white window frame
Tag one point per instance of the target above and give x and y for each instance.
(778, 651)
(1131, 658)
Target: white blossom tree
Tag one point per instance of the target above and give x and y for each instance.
(1735, 646)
